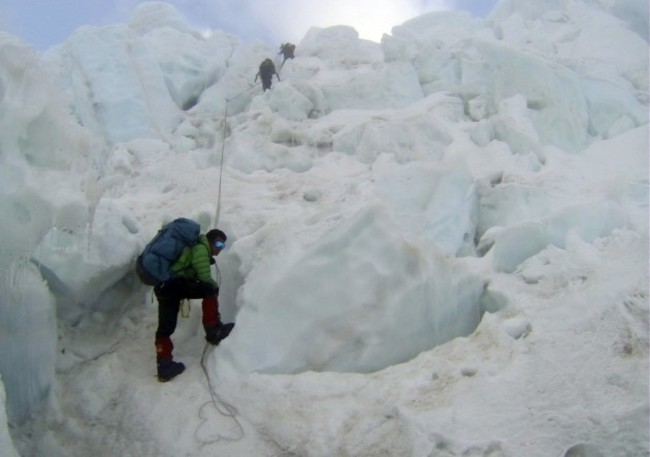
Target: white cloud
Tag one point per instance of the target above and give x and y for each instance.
(270, 20)
(371, 18)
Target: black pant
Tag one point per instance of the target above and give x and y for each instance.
(169, 295)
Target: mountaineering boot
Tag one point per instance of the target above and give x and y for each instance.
(168, 369)
(215, 335)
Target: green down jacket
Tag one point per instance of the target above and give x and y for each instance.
(194, 262)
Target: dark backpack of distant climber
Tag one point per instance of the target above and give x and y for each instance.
(287, 49)
(266, 72)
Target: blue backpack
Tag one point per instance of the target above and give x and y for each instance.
(153, 265)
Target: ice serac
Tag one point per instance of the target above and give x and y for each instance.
(361, 299)
(417, 133)
(154, 15)
(369, 82)
(35, 135)
(28, 339)
(7, 448)
(118, 87)
(54, 244)
(561, 57)
(33, 117)
(83, 265)
(190, 62)
(440, 207)
(585, 36)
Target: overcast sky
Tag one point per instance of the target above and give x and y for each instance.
(44, 23)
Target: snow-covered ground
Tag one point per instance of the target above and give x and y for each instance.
(438, 245)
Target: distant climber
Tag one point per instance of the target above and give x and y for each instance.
(287, 49)
(188, 276)
(267, 70)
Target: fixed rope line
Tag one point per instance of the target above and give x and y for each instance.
(225, 409)
(223, 148)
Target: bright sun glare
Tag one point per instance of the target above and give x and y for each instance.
(371, 18)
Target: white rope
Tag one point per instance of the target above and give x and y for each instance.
(223, 147)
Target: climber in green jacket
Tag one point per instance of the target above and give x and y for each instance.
(192, 279)
(194, 262)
